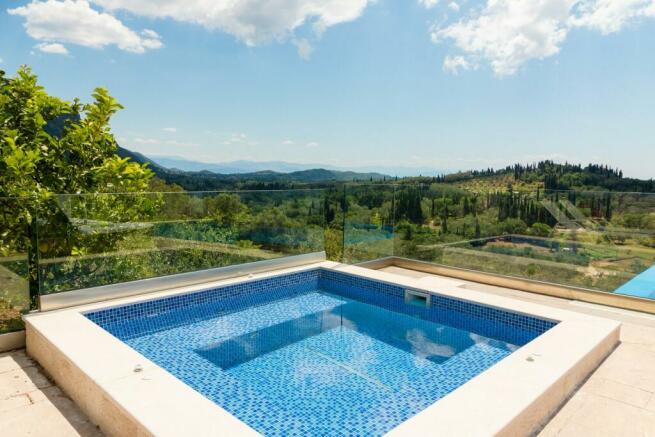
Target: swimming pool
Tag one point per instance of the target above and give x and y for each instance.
(320, 352)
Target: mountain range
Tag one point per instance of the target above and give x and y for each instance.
(185, 172)
(244, 167)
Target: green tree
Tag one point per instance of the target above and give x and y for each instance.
(50, 146)
(228, 210)
(53, 146)
(541, 230)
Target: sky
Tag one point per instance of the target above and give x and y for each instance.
(442, 84)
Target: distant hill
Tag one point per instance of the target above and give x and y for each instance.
(207, 180)
(234, 167)
(242, 166)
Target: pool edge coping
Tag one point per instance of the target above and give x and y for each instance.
(90, 381)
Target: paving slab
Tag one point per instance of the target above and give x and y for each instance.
(30, 405)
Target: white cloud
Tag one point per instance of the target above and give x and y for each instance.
(140, 140)
(288, 143)
(75, 22)
(610, 16)
(52, 48)
(181, 143)
(252, 21)
(312, 145)
(170, 129)
(428, 4)
(453, 6)
(147, 141)
(240, 139)
(305, 49)
(508, 33)
(149, 33)
(453, 64)
(237, 138)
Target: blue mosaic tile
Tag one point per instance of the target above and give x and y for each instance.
(319, 352)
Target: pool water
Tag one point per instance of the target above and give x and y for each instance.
(314, 362)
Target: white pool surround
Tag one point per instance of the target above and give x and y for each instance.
(127, 394)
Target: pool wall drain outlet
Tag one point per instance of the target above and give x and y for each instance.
(417, 298)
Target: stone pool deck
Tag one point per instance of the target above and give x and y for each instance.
(30, 405)
(617, 400)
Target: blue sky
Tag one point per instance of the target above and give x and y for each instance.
(352, 83)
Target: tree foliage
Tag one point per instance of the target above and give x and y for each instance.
(49, 146)
(53, 146)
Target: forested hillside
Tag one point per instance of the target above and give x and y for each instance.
(551, 176)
